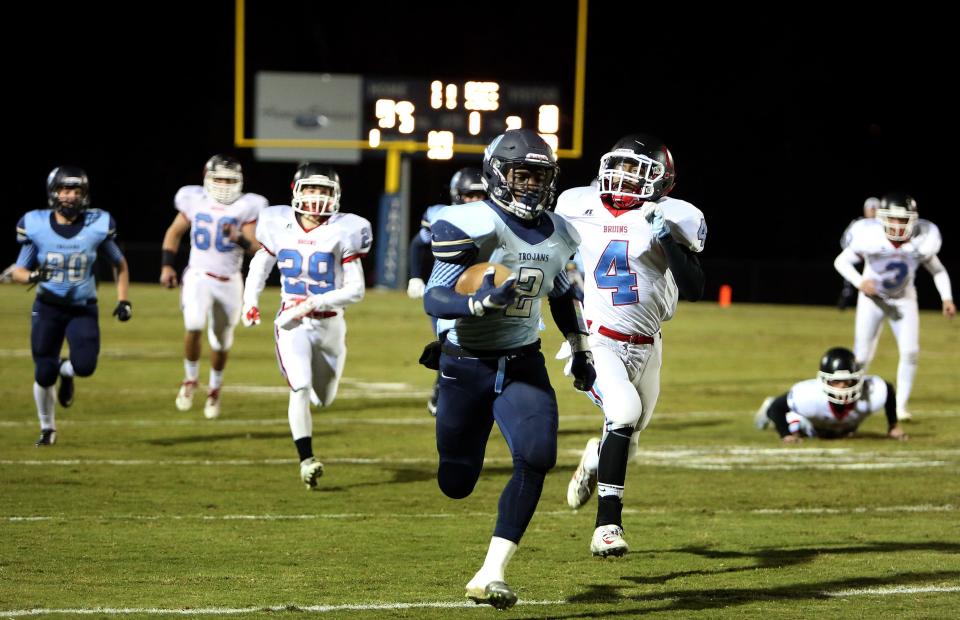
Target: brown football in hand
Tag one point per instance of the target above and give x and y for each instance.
(471, 279)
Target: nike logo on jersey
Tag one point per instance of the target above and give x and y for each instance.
(616, 229)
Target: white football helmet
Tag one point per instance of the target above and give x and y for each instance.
(316, 175)
(898, 213)
(223, 179)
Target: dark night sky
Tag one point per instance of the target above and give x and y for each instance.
(780, 124)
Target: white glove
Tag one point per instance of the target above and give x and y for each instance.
(415, 288)
(292, 316)
(250, 315)
(649, 210)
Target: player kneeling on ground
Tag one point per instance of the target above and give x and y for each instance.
(833, 405)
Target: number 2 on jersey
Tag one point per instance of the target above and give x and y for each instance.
(613, 272)
(529, 281)
(319, 269)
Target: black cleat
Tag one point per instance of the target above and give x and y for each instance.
(497, 594)
(48, 437)
(65, 390)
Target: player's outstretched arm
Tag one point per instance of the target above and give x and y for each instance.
(443, 302)
(777, 412)
(350, 293)
(260, 267)
(941, 279)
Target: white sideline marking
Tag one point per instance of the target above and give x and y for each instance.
(447, 515)
(894, 590)
(230, 611)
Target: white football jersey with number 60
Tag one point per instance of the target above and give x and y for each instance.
(210, 247)
(628, 286)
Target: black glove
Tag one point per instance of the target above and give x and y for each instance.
(492, 297)
(584, 374)
(123, 311)
(431, 355)
(40, 274)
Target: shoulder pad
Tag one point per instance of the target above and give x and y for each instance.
(358, 233)
(927, 239)
(574, 198)
(686, 222)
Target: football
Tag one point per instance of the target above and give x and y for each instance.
(470, 280)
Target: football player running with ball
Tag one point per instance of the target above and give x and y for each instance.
(639, 251)
(491, 368)
(892, 246)
(317, 250)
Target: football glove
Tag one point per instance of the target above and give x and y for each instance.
(250, 315)
(40, 274)
(584, 374)
(123, 311)
(415, 288)
(492, 297)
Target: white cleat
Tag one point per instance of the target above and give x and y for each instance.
(584, 482)
(185, 395)
(760, 419)
(310, 470)
(904, 415)
(211, 409)
(608, 540)
(494, 593)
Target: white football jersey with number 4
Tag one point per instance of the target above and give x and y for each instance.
(891, 266)
(210, 249)
(311, 262)
(627, 285)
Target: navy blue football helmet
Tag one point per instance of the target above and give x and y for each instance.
(68, 177)
(520, 173)
(464, 182)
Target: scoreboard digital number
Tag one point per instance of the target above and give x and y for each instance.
(461, 116)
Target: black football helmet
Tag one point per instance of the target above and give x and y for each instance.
(466, 181)
(840, 365)
(223, 179)
(638, 168)
(316, 175)
(70, 177)
(898, 213)
(520, 173)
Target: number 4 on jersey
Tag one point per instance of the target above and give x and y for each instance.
(613, 272)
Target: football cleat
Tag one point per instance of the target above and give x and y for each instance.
(904, 415)
(185, 395)
(760, 419)
(211, 409)
(584, 482)
(608, 540)
(495, 593)
(65, 390)
(48, 437)
(310, 470)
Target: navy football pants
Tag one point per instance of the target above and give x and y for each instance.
(50, 324)
(526, 412)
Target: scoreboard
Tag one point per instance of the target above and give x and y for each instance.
(451, 116)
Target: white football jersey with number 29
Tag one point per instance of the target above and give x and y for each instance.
(627, 285)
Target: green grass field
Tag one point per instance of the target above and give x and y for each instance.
(142, 510)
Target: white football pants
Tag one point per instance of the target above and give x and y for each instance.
(215, 303)
(904, 319)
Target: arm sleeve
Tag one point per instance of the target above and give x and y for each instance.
(112, 251)
(440, 299)
(686, 269)
(777, 412)
(846, 265)
(28, 256)
(419, 252)
(890, 407)
(941, 279)
(568, 313)
(260, 267)
(352, 290)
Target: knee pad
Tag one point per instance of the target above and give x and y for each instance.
(456, 480)
(911, 357)
(45, 372)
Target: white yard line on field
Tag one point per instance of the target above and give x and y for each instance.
(893, 590)
(231, 611)
(921, 508)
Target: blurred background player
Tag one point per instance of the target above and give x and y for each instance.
(60, 246)
(639, 251)
(833, 405)
(491, 366)
(466, 186)
(317, 250)
(892, 246)
(848, 294)
(223, 219)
